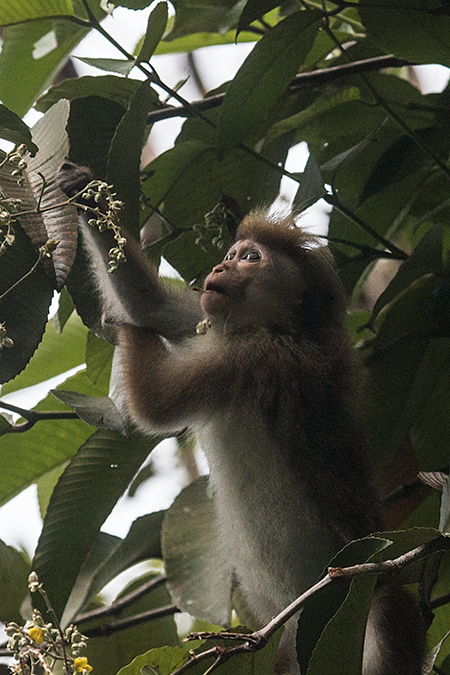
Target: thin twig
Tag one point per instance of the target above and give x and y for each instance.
(120, 604)
(440, 601)
(135, 620)
(56, 623)
(33, 416)
(27, 274)
(334, 201)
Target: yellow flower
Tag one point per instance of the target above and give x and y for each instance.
(81, 665)
(36, 634)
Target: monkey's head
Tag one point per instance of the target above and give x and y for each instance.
(274, 276)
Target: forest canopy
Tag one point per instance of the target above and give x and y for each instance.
(341, 76)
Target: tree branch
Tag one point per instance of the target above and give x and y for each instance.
(258, 639)
(313, 78)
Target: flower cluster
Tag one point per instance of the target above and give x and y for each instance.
(41, 646)
(221, 219)
(16, 158)
(5, 341)
(106, 213)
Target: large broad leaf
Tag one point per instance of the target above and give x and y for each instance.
(98, 411)
(126, 148)
(15, 11)
(198, 577)
(311, 187)
(408, 376)
(340, 646)
(109, 556)
(13, 129)
(426, 258)
(20, 55)
(107, 653)
(413, 30)
(112, 87)
(59, 221)
(156, 26)
(26, 457)
(24, 310)
(83, 498)
(255, 9)
(320, 610)
(55, 355)
(265, 75)
(14, 571)
(210, 16)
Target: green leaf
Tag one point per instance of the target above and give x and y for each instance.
(108, 653)
(26, 457)
(264, 76)
(107, 559)
(311, 187)
(14, 571)
(56, 354)
(340, 647)
(426, 258)
(255, 9)
(165, 659)
(13, 129)
(114, 88)
(198, 578)
(210, 16)
(83, 498)
(157, 22)
(15, 11)
(126, 149)
(316, 115)
(45, 485)
(18, 56)
(99, 355)
(189, 43)
(319, 611)
(65, 310)
(190, 178)
(24, 309)
(120, 66)
(95, 410)
(416, 31)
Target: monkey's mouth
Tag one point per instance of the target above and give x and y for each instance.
(210, 286)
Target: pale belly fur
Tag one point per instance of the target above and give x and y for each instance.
(269, 530)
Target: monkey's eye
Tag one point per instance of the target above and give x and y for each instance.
(253, 256)
(230, 255)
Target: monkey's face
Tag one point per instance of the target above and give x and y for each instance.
(253, 286)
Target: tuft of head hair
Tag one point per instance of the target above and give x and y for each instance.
(324, 302)
(278, 234)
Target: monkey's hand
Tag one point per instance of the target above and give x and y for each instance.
(72, 179)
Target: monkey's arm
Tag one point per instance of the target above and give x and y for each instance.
(133, 293)
(171, 389)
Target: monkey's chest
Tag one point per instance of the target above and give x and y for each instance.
(269, 528)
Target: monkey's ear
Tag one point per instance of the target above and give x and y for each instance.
(72, 178)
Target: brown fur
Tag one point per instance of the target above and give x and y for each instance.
(270, 390)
